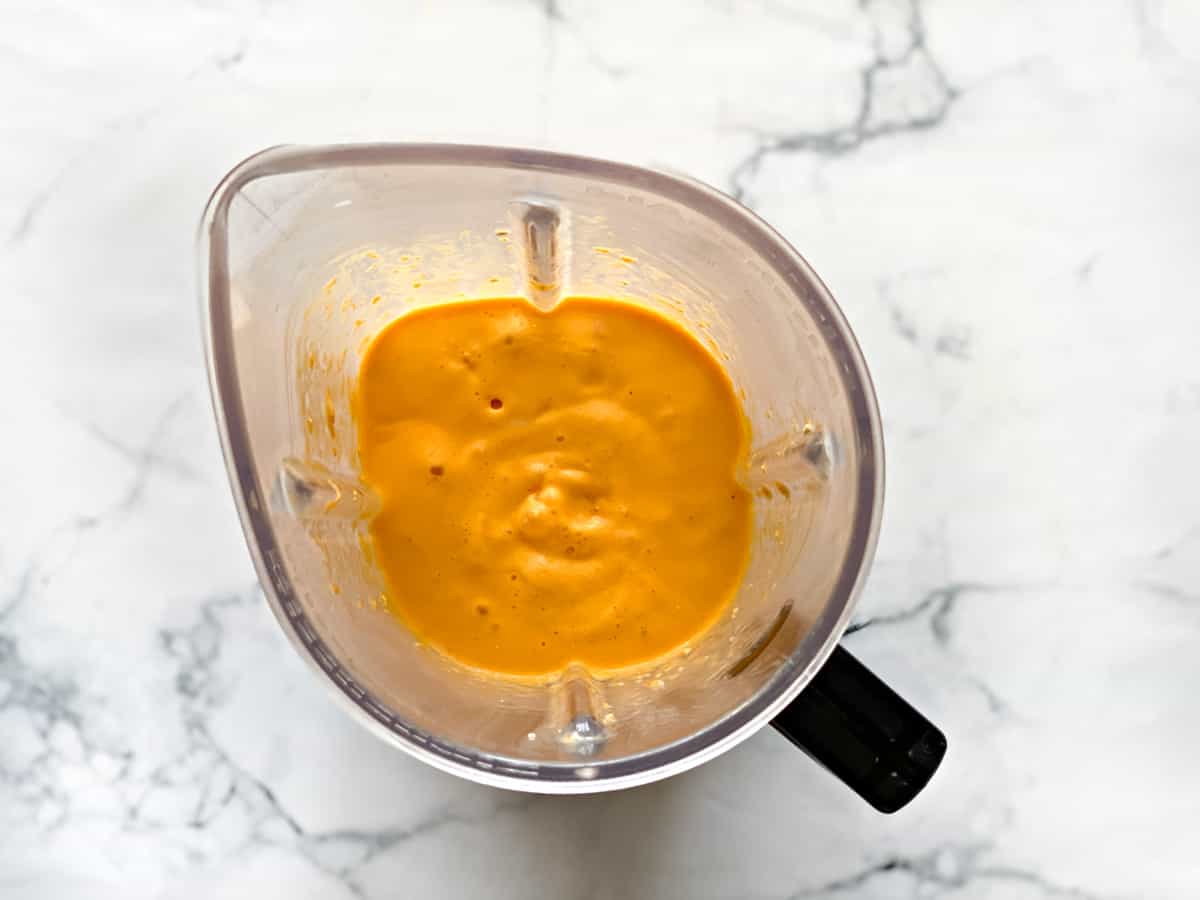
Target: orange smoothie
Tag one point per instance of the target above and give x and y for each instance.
(556, 486)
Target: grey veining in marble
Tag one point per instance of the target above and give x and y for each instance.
(1006, 201)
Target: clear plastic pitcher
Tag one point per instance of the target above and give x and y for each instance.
(306, 253)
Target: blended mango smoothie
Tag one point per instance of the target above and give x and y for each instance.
(555, 487)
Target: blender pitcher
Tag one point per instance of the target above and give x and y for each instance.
(306, 253)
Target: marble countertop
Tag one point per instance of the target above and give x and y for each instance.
(1006, 202)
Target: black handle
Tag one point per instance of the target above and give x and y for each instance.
(864, 733)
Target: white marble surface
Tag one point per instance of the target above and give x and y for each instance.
(1006, 201)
